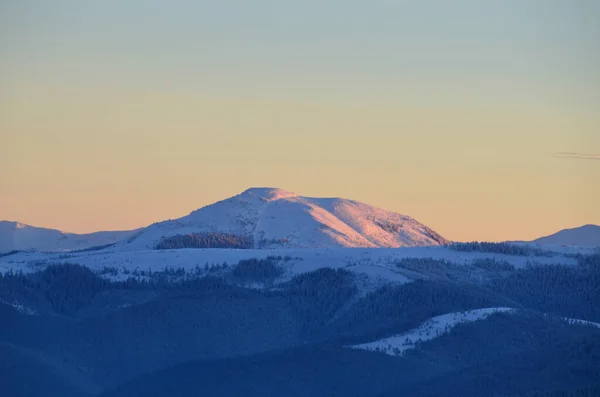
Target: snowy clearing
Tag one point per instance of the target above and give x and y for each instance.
(436, 326)
(432, 328)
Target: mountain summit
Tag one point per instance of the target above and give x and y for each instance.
(276, 218)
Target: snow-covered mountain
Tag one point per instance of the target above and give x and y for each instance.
(584, 236)
(18, 236)
(275, 218)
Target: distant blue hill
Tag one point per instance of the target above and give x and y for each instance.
(584, 236)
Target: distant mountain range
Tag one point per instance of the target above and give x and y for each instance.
(265, 218)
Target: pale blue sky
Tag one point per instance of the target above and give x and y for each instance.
(523, 50)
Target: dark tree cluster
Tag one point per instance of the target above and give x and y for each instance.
(562, 290)
(396, 228)
(205, 240)
(494, 265)
(94, 248)
(13, 252)
(437, 269)
(477, 272)
(424, 264)
(393, 309)
(285, 258)
(257, 269)
(590, 261)
(69, 287)
(318, 295)
(389, 226)
(500, 248)
(66, 287)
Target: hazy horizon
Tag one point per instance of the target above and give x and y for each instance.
(479, 120)
(187, 213)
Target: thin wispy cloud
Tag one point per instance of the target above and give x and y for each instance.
(579, 156)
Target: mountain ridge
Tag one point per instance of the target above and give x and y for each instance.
(275, 217)
(583, 236)
(271, 218)
(20, 236)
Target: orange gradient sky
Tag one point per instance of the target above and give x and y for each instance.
(116, 116)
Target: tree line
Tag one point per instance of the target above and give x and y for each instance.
(205, 240)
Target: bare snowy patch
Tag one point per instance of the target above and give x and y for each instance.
(432, 328)
(437, 326)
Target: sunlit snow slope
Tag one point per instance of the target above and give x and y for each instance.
(276, 218)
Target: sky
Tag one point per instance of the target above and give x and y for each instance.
(480, 119)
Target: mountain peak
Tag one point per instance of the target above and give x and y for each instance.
(277, 218)
(268, 193)
(13, 225)
(268, 217)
